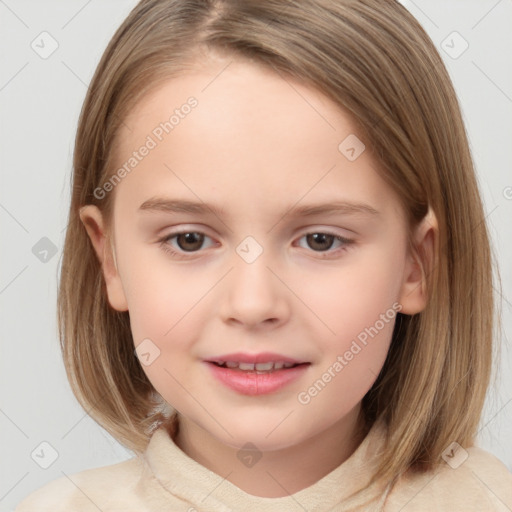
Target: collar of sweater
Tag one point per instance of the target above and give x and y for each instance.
(203, 489)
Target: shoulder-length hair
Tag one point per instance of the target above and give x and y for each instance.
(375, 61)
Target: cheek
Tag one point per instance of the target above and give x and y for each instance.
(343, 381)
(362, 312)
(350, 298)
(165, 316)
(157, 293)
(161, 305)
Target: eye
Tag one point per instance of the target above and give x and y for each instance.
(187, 241)
(321, 241)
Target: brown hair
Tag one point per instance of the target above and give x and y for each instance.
(374, 60)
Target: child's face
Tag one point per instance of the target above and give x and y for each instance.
(256, 146)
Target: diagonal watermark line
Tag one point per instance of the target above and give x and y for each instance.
(88, 88)
(299, 94)
(76, 14)
(490, 490)
(198, 301)
(492, 81)
(383, 497)
(14, 485)
(279, 16)
(486, 14)
(15, 424)
(220, 220)
(280, 423)
(14, 76)
(75, 74)
(85, 415)
(71, 218)
(14, 14)
(301, 300)
(67, 433)
(199, 403)
(103, 432)
(494, 416)
(286, 491)
(417, 493)
(301, 198)
(424, 13)
(216, 76)
(13, 279)
(81, 490)
(217, 486)
(14, 218)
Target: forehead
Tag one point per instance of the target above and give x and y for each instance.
(252, 135)
(240, 96)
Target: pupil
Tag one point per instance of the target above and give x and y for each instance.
(319, 238)
(189, 239)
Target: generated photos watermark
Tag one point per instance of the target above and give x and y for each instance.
(357, 345)
(156, 136)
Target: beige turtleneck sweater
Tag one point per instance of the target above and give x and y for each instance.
(166, 479)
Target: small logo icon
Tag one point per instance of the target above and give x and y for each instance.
(44, 45)
(249, 455)
(454, 45)
(249, 249)
(351, 147)
(44, 250)
(44, 455)
(147, 351)
(454, 455)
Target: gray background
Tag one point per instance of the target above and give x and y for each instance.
(40, 100)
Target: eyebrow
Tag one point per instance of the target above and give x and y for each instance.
(167, 205)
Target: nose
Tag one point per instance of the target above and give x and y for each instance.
(253, 295)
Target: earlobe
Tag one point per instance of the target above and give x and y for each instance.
(94, 224)
(420, 261)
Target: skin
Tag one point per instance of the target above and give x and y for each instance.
(257, 144)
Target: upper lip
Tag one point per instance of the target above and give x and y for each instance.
(262, 357)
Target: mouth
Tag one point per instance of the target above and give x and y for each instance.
(256, 374)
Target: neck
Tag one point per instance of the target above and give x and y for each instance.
(279, 472)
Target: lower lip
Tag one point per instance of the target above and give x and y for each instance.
(252, 383)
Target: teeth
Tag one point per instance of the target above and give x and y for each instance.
(263, 367)
(259, 367)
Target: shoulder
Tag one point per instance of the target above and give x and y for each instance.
(87, 490)
(474, 480)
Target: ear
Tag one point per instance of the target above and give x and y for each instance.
(420, 260)
(93, 221)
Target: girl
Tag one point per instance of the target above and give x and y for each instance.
(276, 284)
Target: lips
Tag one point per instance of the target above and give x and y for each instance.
(256, 374)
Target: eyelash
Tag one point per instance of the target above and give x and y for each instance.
(164, 243)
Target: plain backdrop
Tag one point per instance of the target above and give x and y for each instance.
(40, 98)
